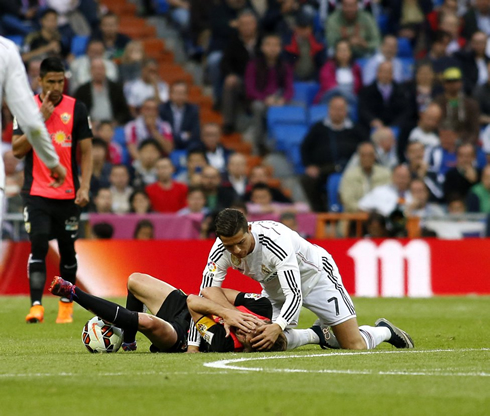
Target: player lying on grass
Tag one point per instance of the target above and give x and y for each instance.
(293, 273)
(239, 315)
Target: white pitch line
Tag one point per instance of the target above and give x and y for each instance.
(228, 364)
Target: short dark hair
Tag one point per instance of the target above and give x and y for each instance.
(98, 142)
(51, 64)
(260, 187)
(180, 82)
(143, 224)
(103, 230)
(47, 11)
(151, 142)
(229, 222)
(133, 196)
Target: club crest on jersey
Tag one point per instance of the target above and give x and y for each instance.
(212, 267)
(65, 118)
(235, 260)
(265, 270)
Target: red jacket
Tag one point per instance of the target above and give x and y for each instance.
(328, 79)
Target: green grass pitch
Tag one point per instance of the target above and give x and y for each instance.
(45, 369)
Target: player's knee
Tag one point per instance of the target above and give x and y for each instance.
(191, 299)
(134, 280)
(39, 246)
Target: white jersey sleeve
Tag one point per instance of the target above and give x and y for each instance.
(20, 100)
(213, 275)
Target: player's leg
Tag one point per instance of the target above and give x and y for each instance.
(148, 290)
(65, 226)
(38, 224)
(161, 333)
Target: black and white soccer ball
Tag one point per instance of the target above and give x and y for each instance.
(101, 336)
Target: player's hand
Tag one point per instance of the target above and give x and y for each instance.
(192, 349)
(82, 197)
(47, 107)
(265, 337)
(58, 173)
(240, 320)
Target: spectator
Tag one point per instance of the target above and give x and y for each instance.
(180, 14)
(70, 21)
(427, 127)
(450, 23)
(217, 196)
(182, 116)
(166, 195)
(103, 201)
(101, 168)
(139, 203)
(384, 141)
(422, 90)
(17, 18)
(473, 62)
(385, 199)
(81, 70)
(485, 143)
(443, 157)
(357, 26)
(145, 173)
(120, 189)
(438, 56)
(104, 98)
(105, 131)
(482, 96)
(477, 18)
(305, 52)
(268, 82)
(239, 50)
(464, 175)
(384, 102)
(456, 206)
(196, 202)
(262, 174)
(236, 174)
(148, 125)
(290, 220)
(33, 75)
(478, 199)
(216, 154)
(47, 41)
(144, 230)
(326, 149)
(387, 52)
(419, 169)
(357, 181)
(340, 76)
(147, 86)
(460, 111)
(376, 226)
(114, 42)
(261, 202)
(434, 18)
(196, 161)
(102, 231)
(131, 61)
(420, 205)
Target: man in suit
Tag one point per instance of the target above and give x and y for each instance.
(383, 103)
(182, 116)
(103, 98)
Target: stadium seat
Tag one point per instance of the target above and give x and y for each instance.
(408, 67)
(287, 114)
(17, 39)
(305, 92)
(361, 62)
(333, 184)
(161, 6)
(404, 48)
(119, 136)
(382, 21)
(178, 158)
(286, 135)
(317, 113)
(78, 45)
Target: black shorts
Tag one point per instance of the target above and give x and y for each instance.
(57, 218)
(174, 311)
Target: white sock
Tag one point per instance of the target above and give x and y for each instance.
(299, 337)
(374, 335)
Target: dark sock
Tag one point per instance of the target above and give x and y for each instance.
(135, 305)
(109, 311)
(37, 280)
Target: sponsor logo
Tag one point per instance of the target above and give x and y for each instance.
(271, 277)
(212, 267)
(392, 269)
(71, 224)
(65, 118)
(61, 139)
(254, 296)
(265, 270)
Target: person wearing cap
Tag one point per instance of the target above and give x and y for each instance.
(459, 111)
(305, 51)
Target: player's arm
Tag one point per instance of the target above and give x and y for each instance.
(20, 145)
(83, 133)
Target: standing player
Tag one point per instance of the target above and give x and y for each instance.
(292, 272)
(18, 95)
(55, 212)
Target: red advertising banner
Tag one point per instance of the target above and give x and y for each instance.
(389, 268)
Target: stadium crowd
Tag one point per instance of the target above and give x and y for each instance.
(379, 106)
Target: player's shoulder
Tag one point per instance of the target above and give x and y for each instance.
(7, 48)
(272, 230)
(218, 252)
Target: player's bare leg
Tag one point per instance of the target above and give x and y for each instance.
(158, 331)
(148, 290)
(349, 336)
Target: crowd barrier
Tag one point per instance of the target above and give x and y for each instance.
(371, 268)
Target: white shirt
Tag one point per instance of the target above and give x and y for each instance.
(427, 139)
(80, 69)
(371, 68)
(383, 199)
(138, 91)
(18, 95)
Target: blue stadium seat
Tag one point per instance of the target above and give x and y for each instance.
(404, 48)
(333, 184)
(119, 136)
(305, 92)
(78, 45)
(361, 62)
(317, 113)
(162, 6)
(408, 65)
(17, 39)
(289, 134)
(179, 158)
(293, 153)
(382, 21)
(285, 115)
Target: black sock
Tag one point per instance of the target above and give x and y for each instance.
(135, 305)
(109, 311)
(37, 281)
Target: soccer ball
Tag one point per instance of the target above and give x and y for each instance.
(101, 336)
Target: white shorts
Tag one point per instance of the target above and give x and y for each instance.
(328, 299)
